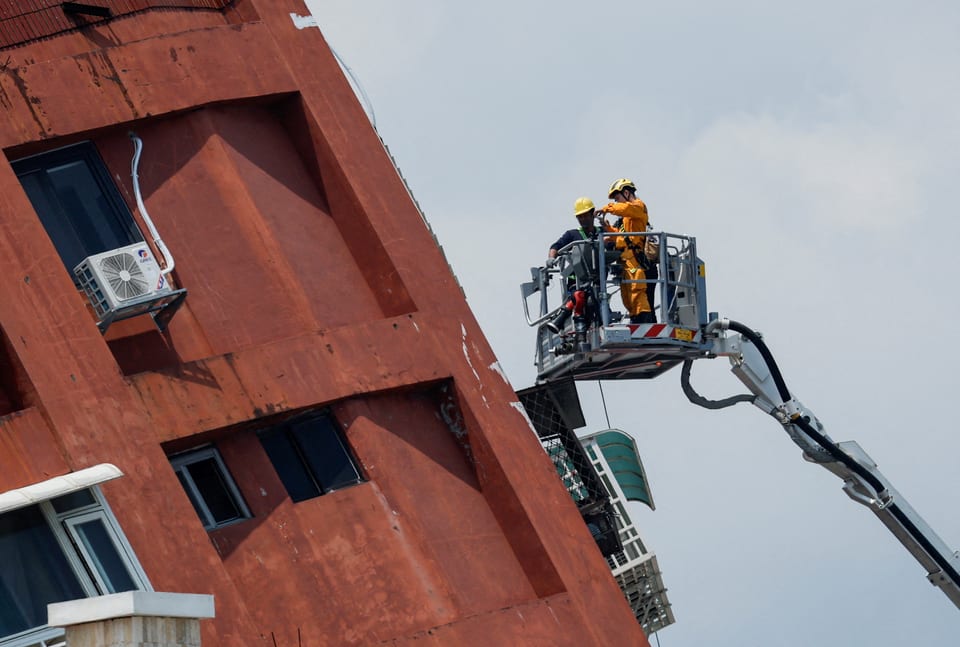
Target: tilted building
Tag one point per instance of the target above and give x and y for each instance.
(286, 403)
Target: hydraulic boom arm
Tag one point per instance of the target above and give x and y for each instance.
(862, 481)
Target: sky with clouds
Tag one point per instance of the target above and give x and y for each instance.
(812, 149)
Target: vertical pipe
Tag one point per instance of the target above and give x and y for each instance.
(134, 167)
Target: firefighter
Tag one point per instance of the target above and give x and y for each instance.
(639, 253)
(586, 214)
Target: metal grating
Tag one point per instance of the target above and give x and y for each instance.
(643, 587)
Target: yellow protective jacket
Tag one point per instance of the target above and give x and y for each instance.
(634, 218)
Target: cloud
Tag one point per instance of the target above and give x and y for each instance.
(841, 177)
(397, 33)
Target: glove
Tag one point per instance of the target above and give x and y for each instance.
(651, 249)
(550, 262)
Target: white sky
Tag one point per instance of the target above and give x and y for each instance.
(812, 149)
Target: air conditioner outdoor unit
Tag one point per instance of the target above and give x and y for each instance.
(123, 283)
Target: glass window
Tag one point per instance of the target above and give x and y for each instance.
(77, 202)
(609, 486)
(90, 535)
(310, 456)
(49, 553)
(209, 486)
(325, 453)
(73, 501)
(34, 571)
(290, 467)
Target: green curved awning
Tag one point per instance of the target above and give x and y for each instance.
(620, 450)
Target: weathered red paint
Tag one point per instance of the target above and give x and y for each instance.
(312, 282)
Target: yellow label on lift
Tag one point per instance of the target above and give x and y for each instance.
(703, 270)
(683, 334)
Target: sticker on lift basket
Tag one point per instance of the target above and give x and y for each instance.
(683, 334)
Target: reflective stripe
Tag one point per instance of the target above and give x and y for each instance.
(663, 331)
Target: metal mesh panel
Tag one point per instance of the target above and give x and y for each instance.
(574, 467)
(554, 409)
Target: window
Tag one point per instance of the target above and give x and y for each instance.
(310, 456)
(63, 549)
(210, 487)
(77, 201)
(609, 487)
(592, 454)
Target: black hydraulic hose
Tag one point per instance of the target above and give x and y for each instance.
(699, 400)
(767, 357)
(784, 392)
(834, 451)
(875, 483)
(839, 454)
(944, 565)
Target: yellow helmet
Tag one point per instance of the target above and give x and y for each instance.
(620, 185)
(582, 206)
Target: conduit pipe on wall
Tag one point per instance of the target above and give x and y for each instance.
(134, 166)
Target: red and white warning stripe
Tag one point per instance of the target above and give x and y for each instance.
(662, 331)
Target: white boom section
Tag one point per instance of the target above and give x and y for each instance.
(862, 481)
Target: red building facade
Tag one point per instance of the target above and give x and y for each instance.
(320, 437)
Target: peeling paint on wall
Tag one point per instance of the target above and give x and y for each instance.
(523, 412)
(303, 22)
(496, 368)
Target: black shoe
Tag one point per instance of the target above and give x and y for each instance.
(556, 324)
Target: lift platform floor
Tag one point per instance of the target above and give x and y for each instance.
(616, 352)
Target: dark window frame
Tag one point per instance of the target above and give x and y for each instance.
(181, 463)
(76, 232)
(296, 453)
